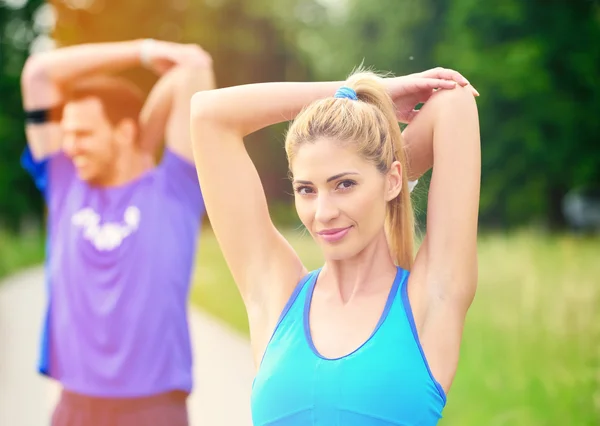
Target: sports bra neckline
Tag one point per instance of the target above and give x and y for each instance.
(312, 282)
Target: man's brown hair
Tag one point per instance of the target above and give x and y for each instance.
(120, 98)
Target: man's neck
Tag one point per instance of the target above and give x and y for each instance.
(128, 168)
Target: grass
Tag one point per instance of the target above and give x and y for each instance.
(531, 347)
(18, 252)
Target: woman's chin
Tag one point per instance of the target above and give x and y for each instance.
(342, 252)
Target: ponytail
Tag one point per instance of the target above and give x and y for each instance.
(400, 222)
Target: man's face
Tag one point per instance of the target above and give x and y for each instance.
(89, 139)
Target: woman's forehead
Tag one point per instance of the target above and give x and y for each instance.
(325, 158)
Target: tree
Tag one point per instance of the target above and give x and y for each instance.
(535, 64)
(18, 29)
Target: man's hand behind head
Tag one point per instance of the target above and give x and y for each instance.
(162, 56)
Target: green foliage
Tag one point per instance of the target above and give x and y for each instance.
(18, 195)
(534, 65)
(20, 251)
(529, 355)
(386, 35)
(284, 215)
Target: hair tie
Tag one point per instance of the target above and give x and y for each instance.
(346, 92)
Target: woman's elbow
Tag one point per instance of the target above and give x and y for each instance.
(460, 99)
(200, 116)
(209, 112)
(199, 107)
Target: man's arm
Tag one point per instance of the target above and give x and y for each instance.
(45, 76)
(166, 113)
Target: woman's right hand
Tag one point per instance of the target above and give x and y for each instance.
(410, 90)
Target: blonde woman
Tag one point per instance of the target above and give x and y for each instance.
(372, 337)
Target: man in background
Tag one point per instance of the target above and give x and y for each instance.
(122, 229)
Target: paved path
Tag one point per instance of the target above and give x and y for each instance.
(223, 364)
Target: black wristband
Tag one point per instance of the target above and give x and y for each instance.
(37, 116)
(43, 115)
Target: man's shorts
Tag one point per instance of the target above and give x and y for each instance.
(166, 409)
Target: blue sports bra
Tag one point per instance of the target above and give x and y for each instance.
(386, 381)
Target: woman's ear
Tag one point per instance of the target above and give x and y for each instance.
(394, 181)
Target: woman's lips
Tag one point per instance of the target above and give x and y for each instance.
(334, 234)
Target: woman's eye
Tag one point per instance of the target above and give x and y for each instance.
(303, 190)
(346, 184)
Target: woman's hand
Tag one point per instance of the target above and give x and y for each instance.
(410, 90)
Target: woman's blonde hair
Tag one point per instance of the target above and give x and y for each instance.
(369, 125)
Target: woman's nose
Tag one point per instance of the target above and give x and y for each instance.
(326, 209)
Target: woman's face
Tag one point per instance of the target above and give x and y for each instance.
(340, 197)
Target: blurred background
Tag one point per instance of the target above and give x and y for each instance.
(531, 351)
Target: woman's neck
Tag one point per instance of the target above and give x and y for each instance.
(369, 271)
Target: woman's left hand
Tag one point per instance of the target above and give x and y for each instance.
(410, 90)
